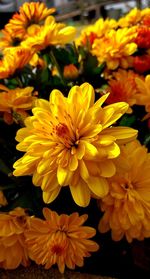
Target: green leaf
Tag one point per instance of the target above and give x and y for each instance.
(127, 120)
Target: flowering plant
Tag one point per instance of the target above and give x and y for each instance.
(74, 119)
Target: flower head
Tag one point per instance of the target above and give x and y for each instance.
(9, 40)
(143, 97)
(122, 87)
(60, 239)
(143, 37)
(14, 59)
(141, 63)
(13, 251)
(96, 30)
(132, 18)
(30, 14)
(127, 205)
(70, 71)
(115, 47)
(51, 33)
(15, 101)
(69, 141)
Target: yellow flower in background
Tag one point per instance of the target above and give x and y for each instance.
(143, 97)
(122, 87)
(96, 30)
(3, 200)
(30, 14)
(132, 18)
(15, 102)
(13, 250)
(51, 33)
(127, 205)
(70, 141)
(70, 71)
(60, 239)
(14, 59)
(115, 47)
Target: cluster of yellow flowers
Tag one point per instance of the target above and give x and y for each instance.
(71, 137)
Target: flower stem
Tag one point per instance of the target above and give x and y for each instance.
(54, 61)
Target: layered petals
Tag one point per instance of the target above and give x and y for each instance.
(66, 137)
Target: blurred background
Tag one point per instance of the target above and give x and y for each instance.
(73, 11)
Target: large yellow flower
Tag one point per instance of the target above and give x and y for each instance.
(30, 14)
(60, 240)
(13, 250)
(127, 205)
(115, 47)
(14, 102)
(122, 87)
(143, 98)
(68, 142)
(51, 33)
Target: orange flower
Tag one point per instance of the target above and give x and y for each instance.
(60, 239)
(14, 102)
(70, 71)
(14, 59)
(13, 251)
(143, 37)
(146, 20)
(9, 40)
(122, 87)
(143, 97)
(127, 205)
(141, 63)
(29, 14)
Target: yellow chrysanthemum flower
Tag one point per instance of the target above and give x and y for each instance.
(96, 30)
(143, 97)
(60, 239)
(115, 47)
(123, 88)
(13, 250)
(51, 33)
(30, 14)
(127, 205)
(69, 141)
(132, 18)
(15, 102)
(14, 59)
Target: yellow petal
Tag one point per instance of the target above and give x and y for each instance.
(51, 196)
(81, 193)
(63, 176)
(122, 134)
(98, 186)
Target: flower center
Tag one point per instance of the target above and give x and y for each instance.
(62, 130)
(57, 249)
(127, 185)
(64, 134)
